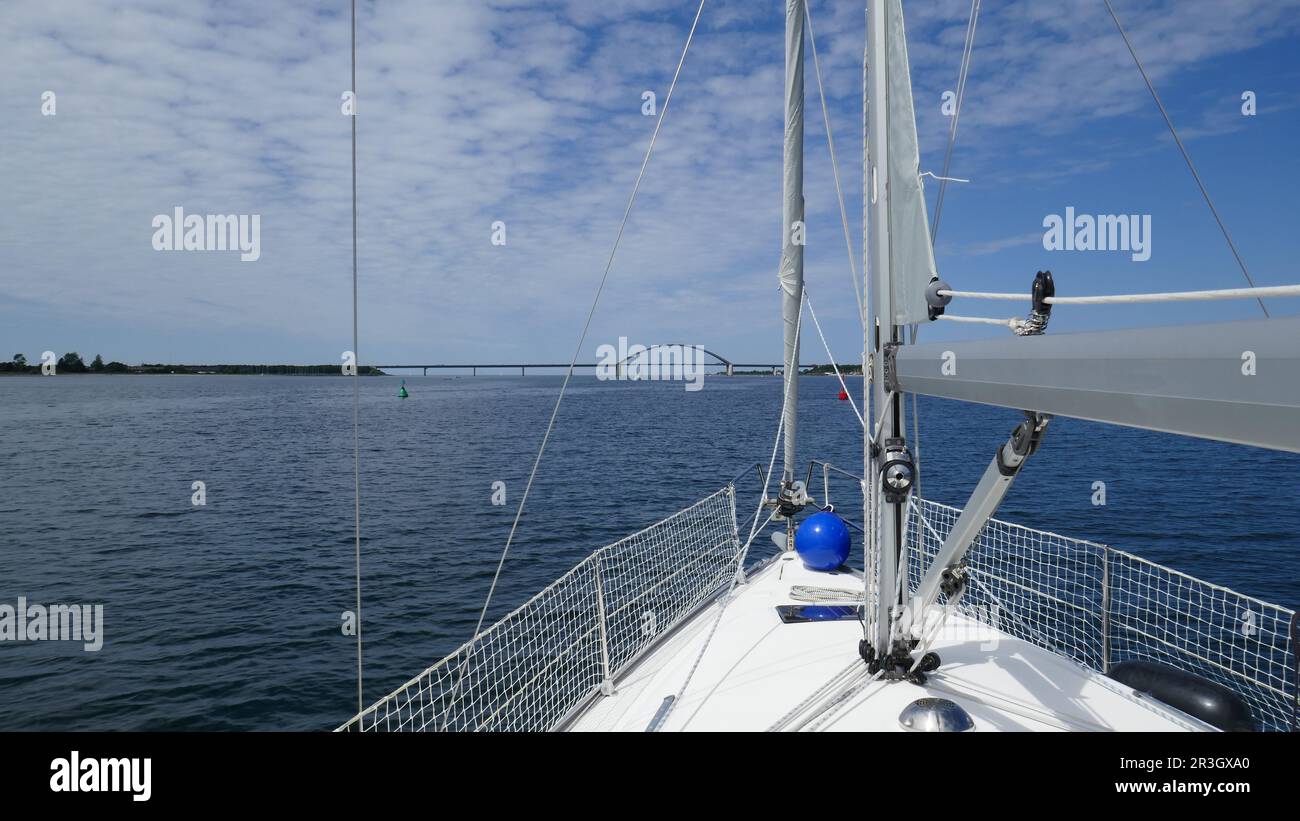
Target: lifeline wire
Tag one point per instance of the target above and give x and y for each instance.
(356, 370)
(582, 338)
(962, 74)
(662, 717)
(1186, 157)
(835, 170)
(831, 356)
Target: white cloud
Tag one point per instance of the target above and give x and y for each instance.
(527, 112)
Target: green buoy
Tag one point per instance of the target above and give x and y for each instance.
(401, 392)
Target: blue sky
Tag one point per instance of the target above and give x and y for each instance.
(530, 113)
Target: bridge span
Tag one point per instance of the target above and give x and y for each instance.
(718, 361)
(523, 367)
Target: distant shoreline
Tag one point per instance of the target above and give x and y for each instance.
(73, 364)
(332, 370)
(193, 370)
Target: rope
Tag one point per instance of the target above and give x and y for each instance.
(916, 432)
(868, 494)
(884, 412)
(785, 400)
(835, 705)
(834, 681)
(1186, 157)
(1005, 323)
(835, 170)
(926, 522)
(929, 639)
(1056, 718)
(740, 561)
(941, 179)
(812, 593)
(744, 550)
(582, 338)
(1032, 325)
(900, 578)
(356, 371)
(1120, 299)
(973, 579)
(831, 357)
(956, 113)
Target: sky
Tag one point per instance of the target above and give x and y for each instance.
(471, 112)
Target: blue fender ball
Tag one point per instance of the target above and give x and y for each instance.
(823, 541)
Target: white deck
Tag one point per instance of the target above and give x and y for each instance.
(757, 669)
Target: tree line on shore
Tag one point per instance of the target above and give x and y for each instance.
(68, 363)
(73, 363)
(812, 370)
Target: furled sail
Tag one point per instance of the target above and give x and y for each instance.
(911, 258)
(791, 273)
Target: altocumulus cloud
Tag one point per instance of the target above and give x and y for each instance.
(472, 112)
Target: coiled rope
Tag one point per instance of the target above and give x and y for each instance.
(812, 593)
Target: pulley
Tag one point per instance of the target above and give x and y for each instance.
(952, 581)
(1041, 312)
(792, 499)
(897, 472)
(1043, 288)
(935, 301)
(1023, 443)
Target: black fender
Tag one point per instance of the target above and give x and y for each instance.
(1199, 697)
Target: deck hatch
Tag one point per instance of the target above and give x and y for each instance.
(801, 613)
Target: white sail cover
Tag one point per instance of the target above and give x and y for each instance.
(792, 211)
(911, 257)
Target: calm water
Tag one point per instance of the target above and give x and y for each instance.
(227, 616)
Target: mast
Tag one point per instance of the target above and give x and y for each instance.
(889, 515)
(792, 228)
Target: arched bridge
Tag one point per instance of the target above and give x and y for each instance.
(720, 360)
